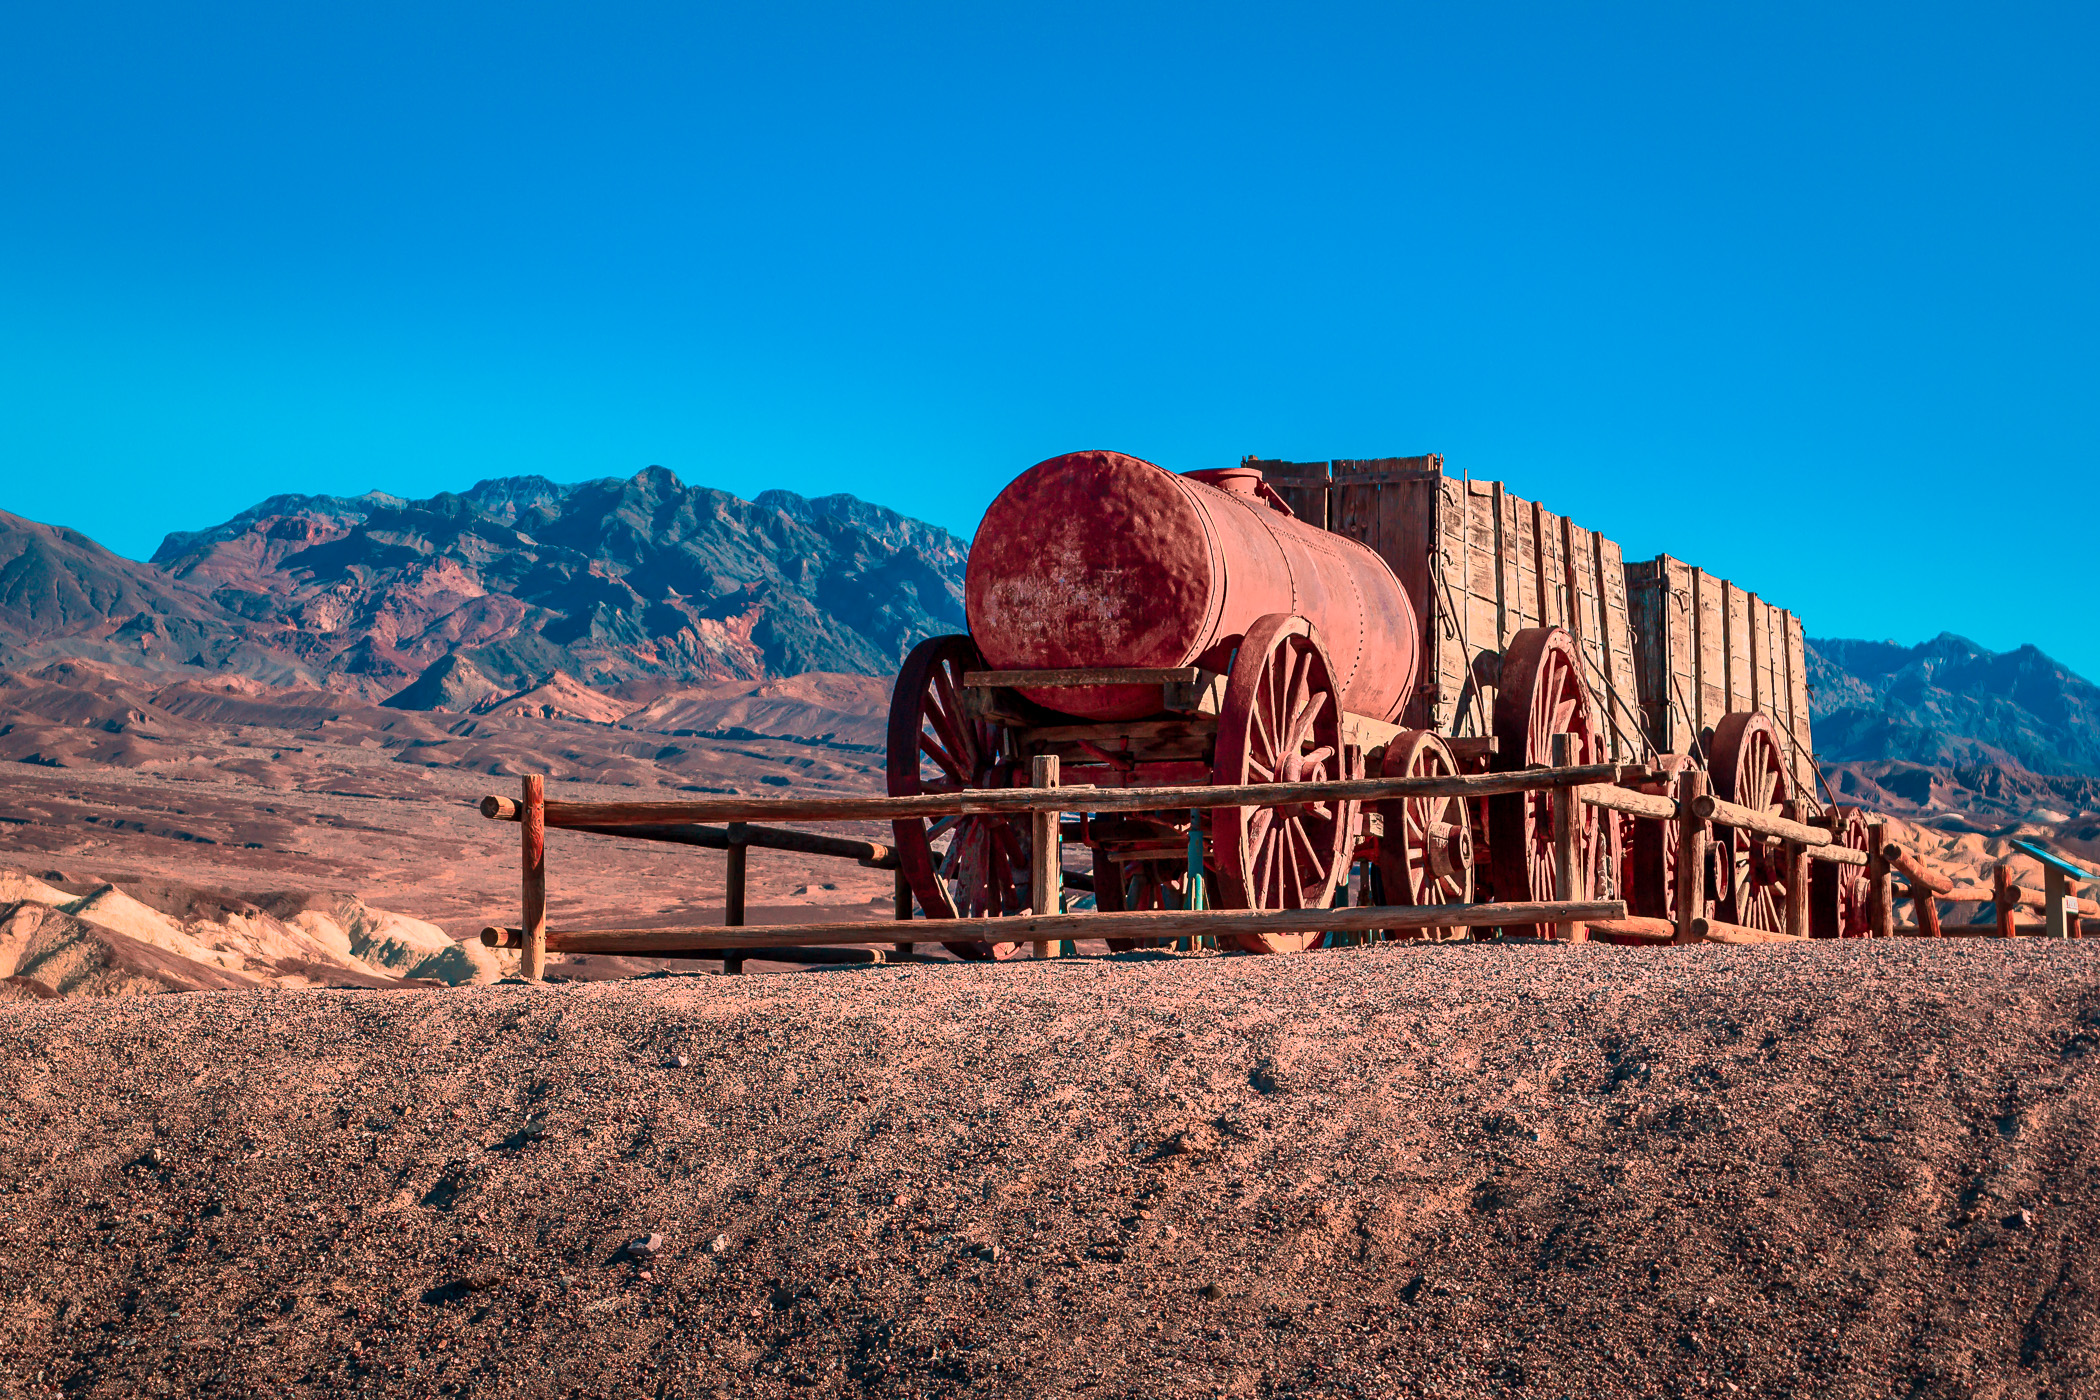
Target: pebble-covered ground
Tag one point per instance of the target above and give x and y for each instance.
(1835, 1170)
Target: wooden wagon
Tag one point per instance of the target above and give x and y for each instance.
(1521, 624)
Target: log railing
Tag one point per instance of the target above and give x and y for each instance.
(1025, 928)
(1044, 803)
(1024, 800)
(1692, 807)
(1697, 812)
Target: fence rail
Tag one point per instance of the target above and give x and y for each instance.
(1024, 928)
(1020, 801)
(1692, 809)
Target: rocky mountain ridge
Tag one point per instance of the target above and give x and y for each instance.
(1951, 702)
(1948, 726)
(608, 581)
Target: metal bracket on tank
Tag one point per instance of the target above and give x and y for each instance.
(1205, 695)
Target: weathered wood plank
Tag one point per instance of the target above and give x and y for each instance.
(1068, 676)
(1148, 923)
(1109, 733)
(1012, 801)
(1803, 740)
(1741, 694)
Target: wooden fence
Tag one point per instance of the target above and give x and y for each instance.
(1694, 810)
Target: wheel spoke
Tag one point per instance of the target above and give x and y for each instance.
(1007, 840)
(1303, 707)
(931, 748)
(956, 741)
(1260, 734)
(1304, 842)
(1264, 864)
(1258, 825)
(1287, 863)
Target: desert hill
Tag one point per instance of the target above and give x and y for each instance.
(224, 784)
(136, 937)
(497, 588)
(1951, 703)
(1948, 729)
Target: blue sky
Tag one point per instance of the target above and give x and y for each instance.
(1804, 294)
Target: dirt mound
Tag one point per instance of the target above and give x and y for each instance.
(820, 707)
(67, 937)
(560, 696)
(1849, 1169)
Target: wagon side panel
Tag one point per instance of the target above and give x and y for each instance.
(1519, 566)
(1735, 605)
(1668, 648)
(1549, 568)
(1709, 655)
(1458, 708)
(1392, 505)
(1586, 623)
(1304, 486)
(1650, 620)
(1486, 620)
(1797, 693)
(1621, 692)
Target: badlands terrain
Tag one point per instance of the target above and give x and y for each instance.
(206, 801)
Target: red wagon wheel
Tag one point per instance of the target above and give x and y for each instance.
(1837, 894)
(1281, 722)
(1542, 693)
(1426, 853)
(966, 866)
(1747, 766)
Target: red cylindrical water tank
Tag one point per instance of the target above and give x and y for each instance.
(1098, 559)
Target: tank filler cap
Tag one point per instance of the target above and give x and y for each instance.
(1242, 481)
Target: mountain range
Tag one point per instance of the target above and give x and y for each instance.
(495, 589)
(1950, 726)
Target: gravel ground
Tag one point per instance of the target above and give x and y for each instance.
(1838, 1170)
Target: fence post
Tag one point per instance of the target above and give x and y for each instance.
(904, 898)
(1881, 894)
(2001, 889)
(1694, 835)
(735, 867)
(2055, 886)
(532, 828)
(1797, 878)
(1046, 862)
(1568, 872)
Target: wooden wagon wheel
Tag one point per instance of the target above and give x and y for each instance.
(936, 746)
(1837, 894)
(1747, 766)
(1426, 853)
(1281, 722)
(1541, 694)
